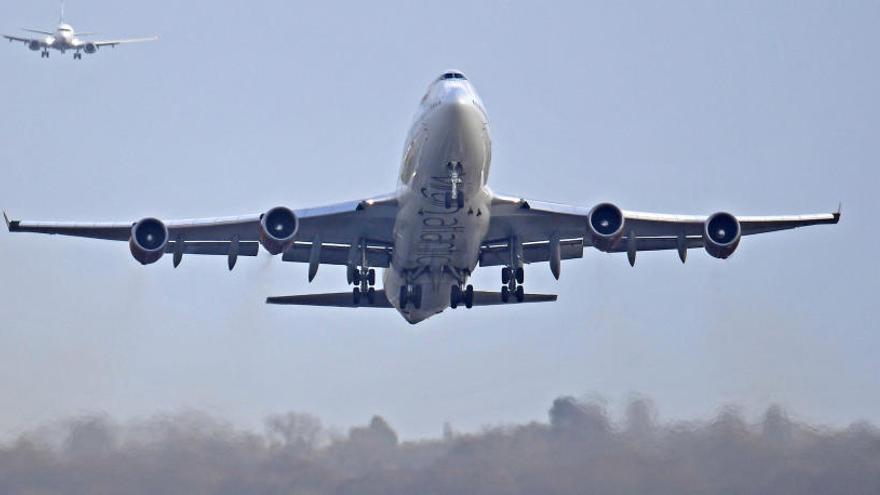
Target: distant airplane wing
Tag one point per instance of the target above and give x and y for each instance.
(535, 225)
(23, 40)
(380, 300)
(341, 224)
(38, 31)
(122, 42)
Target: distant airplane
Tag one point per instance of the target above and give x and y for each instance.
(441, 223)
(65, 38)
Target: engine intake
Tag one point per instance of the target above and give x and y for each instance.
(148, 240)
(278, 227)
(721, 235)
(90, 48)
(34, 45)
(606, 226)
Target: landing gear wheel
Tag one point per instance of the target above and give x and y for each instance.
(505, 275)
(404, 296)
(520, 293)
(417, 297)
(454, 296)
(371, 277)
(356, 296)
(469, 297)
(520, 275)
(505, 294)
(447, 201)
(460, 200)
(371, 296)
(356, 277)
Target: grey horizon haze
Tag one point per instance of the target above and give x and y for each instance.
(685, 107)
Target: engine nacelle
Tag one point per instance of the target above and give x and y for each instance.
(278, 227)
(90, 48)
(721, 235)
(605, 222)
(149, 237)
(34, 45)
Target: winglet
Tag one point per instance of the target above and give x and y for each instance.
(837, 213)
(8, 223)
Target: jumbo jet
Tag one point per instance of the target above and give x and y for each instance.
(64, 38)
(441, 223)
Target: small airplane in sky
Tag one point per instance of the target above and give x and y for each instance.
(441, 223)
(64, 38)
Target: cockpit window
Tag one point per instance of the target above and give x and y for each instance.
(453, 75)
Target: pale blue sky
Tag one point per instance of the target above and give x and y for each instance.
(685, 107)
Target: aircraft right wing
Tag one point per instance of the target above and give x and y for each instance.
(364, 223)
(26, 41)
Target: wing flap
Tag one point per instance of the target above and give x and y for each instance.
(214, 248)
(533, 252)
(337, 254)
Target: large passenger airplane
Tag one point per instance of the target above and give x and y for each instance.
(64, 38)
(441, 223)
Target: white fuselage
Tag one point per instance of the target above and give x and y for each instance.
(63, 39)
(436, 247)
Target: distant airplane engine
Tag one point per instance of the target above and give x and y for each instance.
(278, 226)
(606, 226)
(90, 48)
(34, 45)
(721, 235)
(148, 240)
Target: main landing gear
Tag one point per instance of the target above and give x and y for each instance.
(465, 296)
(365, 279)
(454, 196)
(512, 278)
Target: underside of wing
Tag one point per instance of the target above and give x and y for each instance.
(524, 231)
(323, 235)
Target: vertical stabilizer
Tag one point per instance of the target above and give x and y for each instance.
(61, 19)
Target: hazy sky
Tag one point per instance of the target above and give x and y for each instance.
(685, 107)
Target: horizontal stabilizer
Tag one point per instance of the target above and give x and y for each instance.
(346, 299)
(333, 300)
(485, 298)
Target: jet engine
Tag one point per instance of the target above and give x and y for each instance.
(606, 226)
(278, 227)
(90, 48)
(148, 240)
(34, 45)
(721, 235)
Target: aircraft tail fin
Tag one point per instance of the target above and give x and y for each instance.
(61, 18)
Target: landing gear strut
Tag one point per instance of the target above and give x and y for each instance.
(362, 276)
(44, 54)
(513, 275)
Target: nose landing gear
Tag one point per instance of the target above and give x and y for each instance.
(454, 195)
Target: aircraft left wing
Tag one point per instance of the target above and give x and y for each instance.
(541, 231)
(113, 43)
(342, 224)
